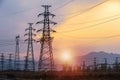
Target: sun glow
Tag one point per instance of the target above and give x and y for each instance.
(66, 57)
(111, 7)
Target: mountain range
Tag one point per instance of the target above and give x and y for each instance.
(100, 57)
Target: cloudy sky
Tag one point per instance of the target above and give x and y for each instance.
(83, 25)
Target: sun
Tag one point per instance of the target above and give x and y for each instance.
(66, 57)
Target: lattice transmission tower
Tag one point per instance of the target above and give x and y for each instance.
(29, 63)
(2, 61)
(17, 56)
(10, 66)
(46, 60)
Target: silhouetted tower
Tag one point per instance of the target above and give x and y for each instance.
(10, 62)
(104, 65)
(95, 64)
(46, 60)
(116, 64)
(2, 61)
(30, 64)
(25, 66)
(17, 57)
(83, 66)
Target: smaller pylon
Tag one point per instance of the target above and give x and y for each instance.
(10, 62)
(17, 57)
(105, 64)
(29, 63)
(2, 61)
(116, 64)
(84, 66)
(95, 64)
(25, 66)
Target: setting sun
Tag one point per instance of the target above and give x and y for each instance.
(66, 56)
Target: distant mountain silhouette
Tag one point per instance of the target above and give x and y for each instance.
(89, 58)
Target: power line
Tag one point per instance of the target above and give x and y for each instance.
(91, 25)
(21, 11)
(94, 39)
(10, 44)
(25, 10)
(76, 11)
(95, 20)
(63, 5)
(18, 12)
(102, 37)
(86, 10)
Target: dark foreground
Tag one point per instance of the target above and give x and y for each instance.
(59, 75)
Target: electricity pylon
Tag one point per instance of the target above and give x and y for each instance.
(95, 64)
(46, 60)
(2, 61)
(10, 62)
(17, 56)
(29, 63)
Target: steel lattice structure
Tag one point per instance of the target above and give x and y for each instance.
(29, 62)
(2, 61)
(17, 56)
(10, 67)
(46, 60)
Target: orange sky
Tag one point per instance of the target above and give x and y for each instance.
(71, 36)
(79, 35)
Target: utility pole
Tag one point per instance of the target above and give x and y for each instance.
(30, 64)
(117, 64)
(2, 61)
(105, 64)
(17, 56)
(25, 66)
(10, 62)
(46, 60)
(84, 66)
(95, 64)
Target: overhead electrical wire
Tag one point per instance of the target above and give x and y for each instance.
(86, 10)
(78, 10)
(63, 5)
(92, 38)
(25, 10)
(9, 43)
(15, 13)
(94, 25)
(22, 11)
(100, 19)
(18, 12)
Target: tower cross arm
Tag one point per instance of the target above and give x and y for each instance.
(40, 22)
(40, 14)
(26, 40)
(27, 29)
(34, 40)
(26, 34)
(17, 36)
(39, 30)
(50, 14)
(52, 30)
(51, 22)
(33, 29)
(34, 34)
